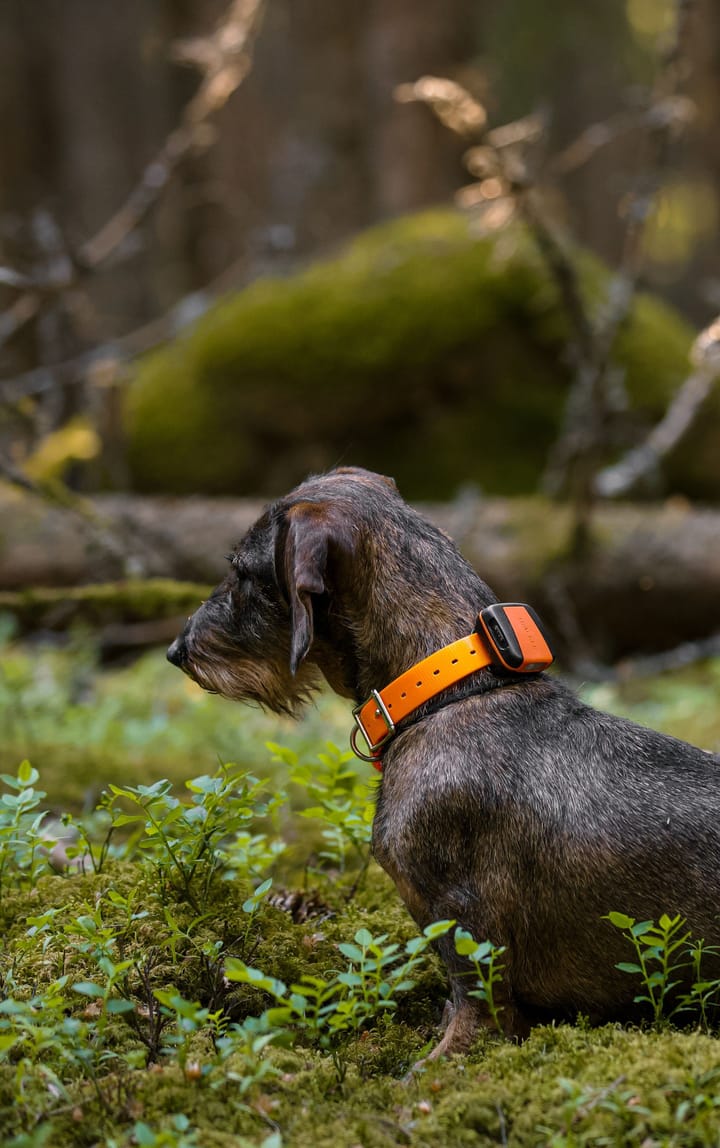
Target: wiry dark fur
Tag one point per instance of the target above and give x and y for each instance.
(519, 811)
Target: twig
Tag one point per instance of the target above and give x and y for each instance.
(564, 272)
(73, 371)
(224, 60)
(593, 139)
(641, 460)
(679, 416)
(21, 312)
(497, 156)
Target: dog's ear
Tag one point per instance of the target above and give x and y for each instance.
(301, 562)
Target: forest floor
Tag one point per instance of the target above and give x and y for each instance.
(212, 959)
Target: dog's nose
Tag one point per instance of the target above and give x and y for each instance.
(177, 653)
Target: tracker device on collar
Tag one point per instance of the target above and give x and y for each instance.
(516, 637)
(508, 637)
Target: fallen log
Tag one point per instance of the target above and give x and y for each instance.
(650, 582)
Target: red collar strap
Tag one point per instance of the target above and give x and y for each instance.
(509, 637)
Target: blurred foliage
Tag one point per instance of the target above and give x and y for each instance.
(687, 214)
(423, 340)
(650, 19)
(534, 57)
(682, 703)
(82, 725)
(76, 441)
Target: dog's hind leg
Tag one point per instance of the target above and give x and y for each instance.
(467, 1015)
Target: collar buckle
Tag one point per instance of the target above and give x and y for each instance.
(381, 711)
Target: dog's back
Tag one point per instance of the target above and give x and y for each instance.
(534, 816)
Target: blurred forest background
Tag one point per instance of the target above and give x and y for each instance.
(472, 245)
(312, 146)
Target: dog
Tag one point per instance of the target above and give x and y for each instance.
(505, 803)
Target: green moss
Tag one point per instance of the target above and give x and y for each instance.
(623, 1085)
(133, 600)
(420, 342)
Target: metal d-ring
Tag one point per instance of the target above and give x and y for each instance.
(382, 712)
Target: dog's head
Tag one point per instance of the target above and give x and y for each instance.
(278, 616)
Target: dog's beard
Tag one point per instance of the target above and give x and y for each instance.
(252, 680)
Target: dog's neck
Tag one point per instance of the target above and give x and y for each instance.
(382, 626)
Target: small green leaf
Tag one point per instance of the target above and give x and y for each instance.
(119, 1005)
(620, 920)
(88, 989)
(281, 1014)
(465, 943)
(236, 970)
(26, 774)
(352, 952)
(353, 980)
(144, 1135)
(642, 927)
(437, 929)
(404, 986)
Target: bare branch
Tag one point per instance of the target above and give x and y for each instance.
(225, 59)
(498, 159)
(21, 312)
(641, 460)
(564, 272)
(577, 452)
(11, 278)
(73, 371)
(681, 413)
(675, 112)
(451, 103)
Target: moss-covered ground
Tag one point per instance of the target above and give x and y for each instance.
(84, 1072)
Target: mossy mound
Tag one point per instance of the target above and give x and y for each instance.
(423, 351)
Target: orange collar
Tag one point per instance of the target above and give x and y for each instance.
(377, 717)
